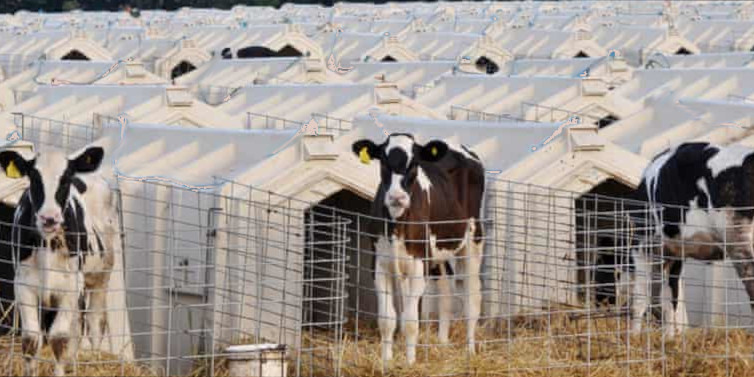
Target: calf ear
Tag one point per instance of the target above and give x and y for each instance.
(366, 150)
(433, 151)
(14, 165)
(88, 161)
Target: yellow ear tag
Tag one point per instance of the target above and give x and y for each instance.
(434, 151)
(12, 171)
(364, 156)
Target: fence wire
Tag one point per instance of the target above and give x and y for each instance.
(210, 283)
(57, 133)
(201, 272)
(555, 291)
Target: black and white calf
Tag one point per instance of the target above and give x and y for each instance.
(61, 261)
(259, 52)
(420, 187)
(707, 195)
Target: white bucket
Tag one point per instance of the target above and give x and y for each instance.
(257, 360)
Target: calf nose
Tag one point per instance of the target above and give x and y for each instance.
(48, 220)
(398, 198)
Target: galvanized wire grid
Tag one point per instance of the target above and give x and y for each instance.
(54, 133)
(548, 256)
(713, 322)
(201, 271)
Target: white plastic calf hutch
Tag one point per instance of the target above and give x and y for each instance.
(228, 265)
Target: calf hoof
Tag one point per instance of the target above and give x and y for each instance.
(30, 368)
(30, 348)
(59, 370)
(387, 355)
(672, 330)
(29, 345)
(59, 347)
(411, 356)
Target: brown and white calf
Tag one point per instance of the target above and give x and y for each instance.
(61, 260)
(703, 197)
(430, 198)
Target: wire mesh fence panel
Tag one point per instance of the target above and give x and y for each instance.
(207, 283)
(254, 120)
(56, 134)
(332, 124)
(197, 273)
(462, 113)
(294, 294)
(710, 268)
(556, 291)
(63, 286)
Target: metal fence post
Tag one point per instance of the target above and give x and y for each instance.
(209, 261)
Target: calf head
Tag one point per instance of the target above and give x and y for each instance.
(51, 177)
(400, 158)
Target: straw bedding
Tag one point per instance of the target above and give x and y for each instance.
(558, 345)
(89, 363)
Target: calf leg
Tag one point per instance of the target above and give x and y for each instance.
(445, 303)
(677, 319)
(64, 330)
(27, 302)
(674, 277)
(96, 316)
(470, 266)
(386, 321)
(412, 289)
(648, 282)
(639, 295)
(657, 282)
(745, 270)
(742, 253)
(97, 278)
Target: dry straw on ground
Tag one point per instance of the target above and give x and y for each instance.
(556, 345)
(88, 363)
